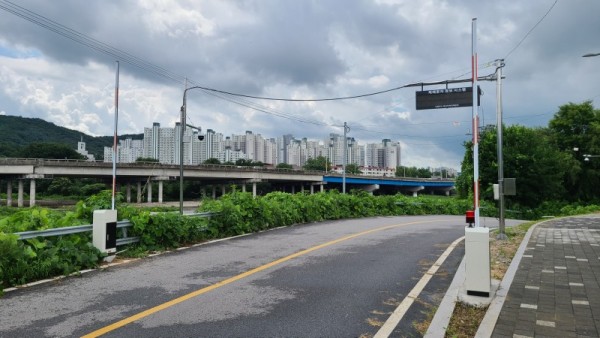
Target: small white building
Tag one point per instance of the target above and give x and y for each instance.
(81, 150)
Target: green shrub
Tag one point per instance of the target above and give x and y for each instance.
(29, 260)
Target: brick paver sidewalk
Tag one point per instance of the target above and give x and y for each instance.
(556, 290)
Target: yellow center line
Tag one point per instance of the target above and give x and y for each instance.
(230, 280)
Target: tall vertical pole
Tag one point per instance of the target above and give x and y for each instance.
(499, 66)
(181, 134)
(114, 157)
(345, 158)
(475, 122)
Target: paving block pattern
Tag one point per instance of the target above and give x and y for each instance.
(556, 290)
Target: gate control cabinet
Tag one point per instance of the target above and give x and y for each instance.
(104, 232)
(477, 261)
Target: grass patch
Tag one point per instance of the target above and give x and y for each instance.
(465, 321)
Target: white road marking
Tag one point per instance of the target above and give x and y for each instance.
(395, 318)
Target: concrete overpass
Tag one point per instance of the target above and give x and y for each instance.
(148, 174)
(12, 169)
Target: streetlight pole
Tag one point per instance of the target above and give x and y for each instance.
(181, 134)
(346, 130)
(183, 126)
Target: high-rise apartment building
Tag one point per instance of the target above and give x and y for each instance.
(128, 151)
(163, 144)
(386, 154)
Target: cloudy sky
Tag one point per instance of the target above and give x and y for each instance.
(304, 49)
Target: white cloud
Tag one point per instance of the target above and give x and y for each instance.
(300, 50)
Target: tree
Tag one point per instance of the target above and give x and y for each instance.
(248, 163)
(212, 160)
(352, 169)
(284, 166)
(319, 163)
(575, 130)
(529, 156)
(146, 159)
(413, 172)
(50, 151)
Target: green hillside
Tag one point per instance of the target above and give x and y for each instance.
(17, 132)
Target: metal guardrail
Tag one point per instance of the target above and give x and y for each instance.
(124, 224)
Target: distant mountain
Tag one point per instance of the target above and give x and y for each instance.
(17, 132)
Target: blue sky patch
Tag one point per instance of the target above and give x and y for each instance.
(17, 53)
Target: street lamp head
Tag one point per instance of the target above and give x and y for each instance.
(587, 159)
(588, 55)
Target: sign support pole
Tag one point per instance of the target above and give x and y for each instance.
(475, 124)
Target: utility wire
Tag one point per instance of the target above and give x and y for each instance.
(531, 30)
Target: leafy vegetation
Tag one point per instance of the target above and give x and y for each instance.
(413, 172)
(319, 163)
(29, 260)
(548, 163)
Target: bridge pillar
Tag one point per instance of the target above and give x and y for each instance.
(160, 191)
(322, 188)
(223, 189)
(139, 192)
(293, 189)
(302, 188)
(243, 187)
(20, 195)
(312, 189)
(128, 189)
(415, 190)
(9, 193)
(32, 192)
(370, 188)
(214, 192)
(253, 189)
(149, 191)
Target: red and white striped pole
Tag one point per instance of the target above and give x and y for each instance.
(475, 122)
(114, 157)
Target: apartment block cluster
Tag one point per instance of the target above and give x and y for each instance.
(163, 144)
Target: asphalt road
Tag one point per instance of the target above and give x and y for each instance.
(330, 279)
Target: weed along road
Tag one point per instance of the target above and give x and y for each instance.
(329, 279)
